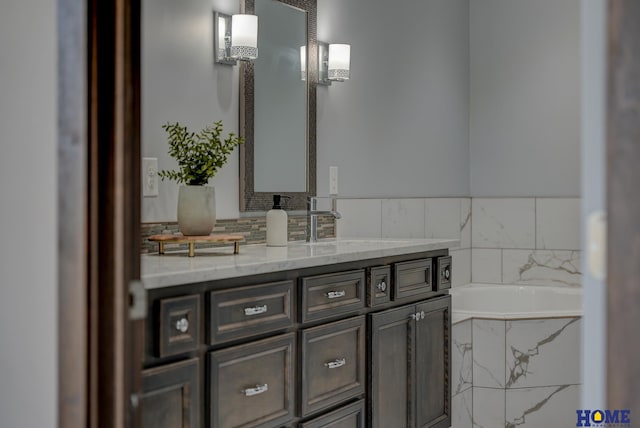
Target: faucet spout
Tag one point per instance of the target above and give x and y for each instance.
(312, 217)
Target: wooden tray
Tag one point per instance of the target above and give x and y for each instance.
(193, 240)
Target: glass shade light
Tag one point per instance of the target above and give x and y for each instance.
(339, 62)
(303, 62)
(244, 37)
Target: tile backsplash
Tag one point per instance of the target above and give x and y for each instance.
(254, 230)
(502, 240)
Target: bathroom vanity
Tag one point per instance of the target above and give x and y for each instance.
(331, 334)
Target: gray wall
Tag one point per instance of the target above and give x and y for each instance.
(398, 128)
(181, 83)
(28, 262)
(525, 97)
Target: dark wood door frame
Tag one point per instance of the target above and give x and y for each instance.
(100, 349)
(623, 207)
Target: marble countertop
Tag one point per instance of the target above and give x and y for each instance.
(175, 268)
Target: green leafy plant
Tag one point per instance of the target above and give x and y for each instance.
(200, 155)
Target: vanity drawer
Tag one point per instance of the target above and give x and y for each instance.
(443, 273)
(328, 296)
(248, 311)
(378, 285)
(351, 416)
(252, 385)
(412, 279)
(178, 328)
(332, 361)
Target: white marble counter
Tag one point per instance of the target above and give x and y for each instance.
(175, 268)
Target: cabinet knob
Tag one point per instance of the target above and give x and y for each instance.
(182, 325)
(382, 286)
(258, 389)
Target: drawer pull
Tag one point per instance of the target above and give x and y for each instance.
(335, 364)
(259, 389)
(182, 325)
(382, 286)
(255, 310)
(336, 294)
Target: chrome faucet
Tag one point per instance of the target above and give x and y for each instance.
(312, 216)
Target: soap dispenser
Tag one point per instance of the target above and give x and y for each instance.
(277, 224)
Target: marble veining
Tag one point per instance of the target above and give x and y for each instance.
(503, 223)
(488, 353)
(462, 409)
(462, 357)
(541, 267)
(521, 420)
(212, 264)
(521, 358)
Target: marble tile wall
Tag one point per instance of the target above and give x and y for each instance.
(515, 373)
(526, 241)
(412, 218)
(502, 240)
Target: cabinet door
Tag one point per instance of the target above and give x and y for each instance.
(390, 386)
(170, 397)
(432, 364)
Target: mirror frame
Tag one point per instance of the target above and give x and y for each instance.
(251, 200)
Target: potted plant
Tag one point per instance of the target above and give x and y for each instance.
(200, 156)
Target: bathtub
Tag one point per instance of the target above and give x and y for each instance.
(500, 301)
(515, 355)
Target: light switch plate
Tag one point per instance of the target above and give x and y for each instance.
(333, 180)
(150, 177)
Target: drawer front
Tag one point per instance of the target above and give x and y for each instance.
(443, 273)
(328, 296)
(252, 385)
(248, 311)
(412, 279)
(171, 395)
(351, 416)
(379, 285)
(179, 325)
(332, 361)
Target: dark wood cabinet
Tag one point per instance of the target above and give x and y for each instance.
(410, 366)
(362, 343)
(171, 395)
(252, 385)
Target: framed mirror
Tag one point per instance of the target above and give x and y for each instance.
(278, 106)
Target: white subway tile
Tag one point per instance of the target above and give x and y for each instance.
(488, 408)
(503, 223)
(558, 223)
(486, 265)
(465, 223)
(403, 218)
(442, 218)
(541, 267)
(488, 353)
(551, 406)
(461, 272)
(542, 352)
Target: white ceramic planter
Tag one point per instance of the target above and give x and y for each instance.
(196, 210)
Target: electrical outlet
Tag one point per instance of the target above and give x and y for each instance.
(333, 180)
(150, 177)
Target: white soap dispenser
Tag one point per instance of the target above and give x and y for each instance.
(277, 225)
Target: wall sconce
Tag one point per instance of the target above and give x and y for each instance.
(235, 38)
(339, 62)
(334, 63)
